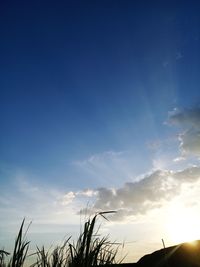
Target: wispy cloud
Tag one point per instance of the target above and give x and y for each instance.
(43, 204)
(108, 167)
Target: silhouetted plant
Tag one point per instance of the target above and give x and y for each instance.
(19, 253)
(3, 253)
(89, 250)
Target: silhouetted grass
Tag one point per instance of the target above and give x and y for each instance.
(89, 250)
(19, 254)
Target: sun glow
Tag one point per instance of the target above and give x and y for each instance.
(182, 224)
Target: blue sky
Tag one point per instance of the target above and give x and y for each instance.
(94, 95)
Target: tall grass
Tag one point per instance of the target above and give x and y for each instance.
(19, 254)
(89, 250)
(3, 253)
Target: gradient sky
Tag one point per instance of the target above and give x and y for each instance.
(99, 104)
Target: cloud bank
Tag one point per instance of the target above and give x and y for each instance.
(134, 198)
(151, 192)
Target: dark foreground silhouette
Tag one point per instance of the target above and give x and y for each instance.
(183, 255)
(91, 250)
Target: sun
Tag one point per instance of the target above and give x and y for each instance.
(182, 229)
(182, 224)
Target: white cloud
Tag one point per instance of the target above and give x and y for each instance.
(179, 159)
(87, 193)
(68, 198)
(189, 121)
(151, 192)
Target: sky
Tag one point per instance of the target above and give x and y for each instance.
(100, 110)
